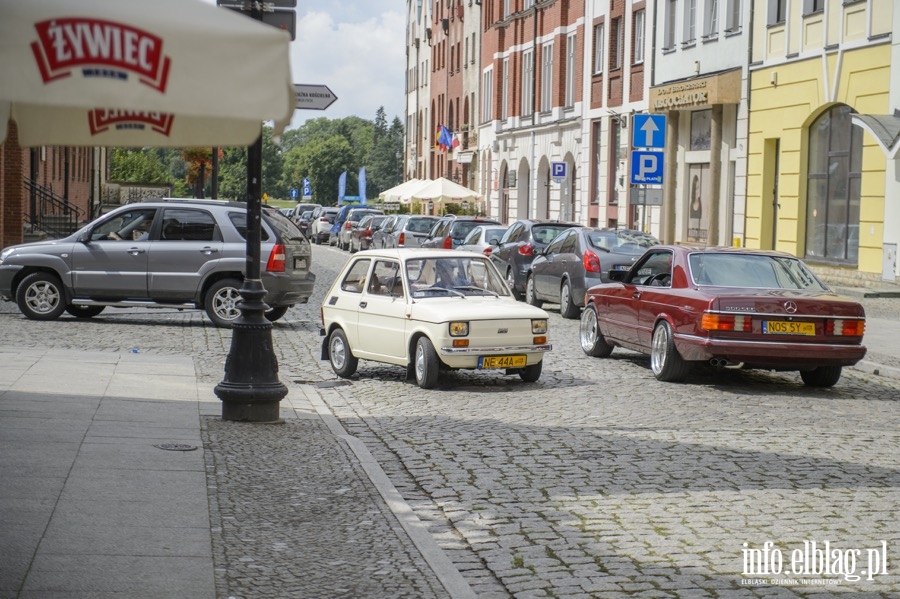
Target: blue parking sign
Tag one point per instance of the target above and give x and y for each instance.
(558, 170)
(647, 167)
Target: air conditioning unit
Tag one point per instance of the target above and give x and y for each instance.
(416, 42)
(512, 179)
(428, 34)
(445, 25)
(495, 147)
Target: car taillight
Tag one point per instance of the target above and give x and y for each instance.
(401, 239)
(526, 249)
(368, 233)
(487, 251)
(324, 219)
(725, 322)
(846, 328)
(347, 225)
(591, 261)
(276, 259)
(448, 243)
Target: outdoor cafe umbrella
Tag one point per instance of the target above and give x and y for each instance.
(400, 193)
(441, 190)
(121, 73)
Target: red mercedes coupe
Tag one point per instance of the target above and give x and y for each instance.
(728, 307)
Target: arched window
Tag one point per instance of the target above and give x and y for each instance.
(833, 190)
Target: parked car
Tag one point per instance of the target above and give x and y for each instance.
(287, 212)
(193, 256)
(579, 258)
(517, 248)
(728, 307)
(410, 231)
(379, 240)
(483, 239)
(428, 311)
(361, 234)
(450, 231)
(298, 210)
(323, 221)
(351, 222)
(303, 223)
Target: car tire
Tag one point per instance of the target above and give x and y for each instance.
(823, 376)
(84, 311)
(530, 297)
(567, 307)
(665, 361)
(40, 296)
(426, 363)
(511, 283)
(220, 302)
(530, 374)
(343, 362)
(276, 313)
(593, 343)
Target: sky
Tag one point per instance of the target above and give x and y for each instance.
(356, 48)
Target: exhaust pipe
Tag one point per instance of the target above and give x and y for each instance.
(724, 363)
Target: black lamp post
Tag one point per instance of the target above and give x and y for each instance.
(251, 391)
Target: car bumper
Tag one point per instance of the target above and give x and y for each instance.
(769, 354)
(284, 290)
(467, 357)
(7, 274)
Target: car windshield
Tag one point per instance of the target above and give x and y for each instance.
(622, 242)
(464, 276)
(546, 233)
(752, 271)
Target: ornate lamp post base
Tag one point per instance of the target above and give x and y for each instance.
(251, 391)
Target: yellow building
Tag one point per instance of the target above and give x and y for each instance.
(815, 178)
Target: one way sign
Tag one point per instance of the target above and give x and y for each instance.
(649, 131)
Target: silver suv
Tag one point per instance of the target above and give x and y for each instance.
(169, 253)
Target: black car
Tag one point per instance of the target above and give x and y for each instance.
(578, 259)
(517, 248)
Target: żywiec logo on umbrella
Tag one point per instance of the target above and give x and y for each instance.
(101, 49)
(101, 119)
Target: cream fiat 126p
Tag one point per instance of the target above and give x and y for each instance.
(430, 310)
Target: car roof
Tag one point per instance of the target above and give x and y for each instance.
(403, 254)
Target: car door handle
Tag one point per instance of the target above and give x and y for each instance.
(363, 304)
(135, 251)
(636, 295)
(208, 250)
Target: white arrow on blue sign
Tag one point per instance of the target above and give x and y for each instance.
(646, 167)
(649, 131)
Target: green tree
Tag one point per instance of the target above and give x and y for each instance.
(128, 165)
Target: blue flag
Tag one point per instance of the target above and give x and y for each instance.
(445, 140)
(342, 187)
(362, 186)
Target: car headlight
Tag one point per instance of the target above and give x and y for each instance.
(459, 329)
(539, 326)
(5, 254)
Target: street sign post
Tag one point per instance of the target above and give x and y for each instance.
(646, 167)
(277, 13)
(307, 189)
(313, 97)
(649, 131)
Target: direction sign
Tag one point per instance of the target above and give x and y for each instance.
(307, 189)
(313, 97)
(558, 170)
(649, 131)
(646, 167)
(280, 13)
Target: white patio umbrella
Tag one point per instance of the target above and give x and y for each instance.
(139, 73)
(441, 190)
(400, 193)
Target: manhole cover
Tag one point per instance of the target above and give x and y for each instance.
(176, 447)
(328, 384)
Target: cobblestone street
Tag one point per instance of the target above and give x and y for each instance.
(596, 481)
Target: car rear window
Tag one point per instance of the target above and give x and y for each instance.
(420, 225)
(752, 271)
(546, 233)
(285, 227)
(239, 220)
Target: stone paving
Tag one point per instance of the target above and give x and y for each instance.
(596, 481)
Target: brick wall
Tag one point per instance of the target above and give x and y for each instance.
(12, 195)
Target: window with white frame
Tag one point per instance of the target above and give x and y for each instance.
(813, 6)
(528, 82)
(487, 95)
(733, 16)
(638, 37)
(506, 8)
(599, 43)
(616, 39)
(690, 21)
(777, 12)
(528, 4)
(504, 90)
(546, 76)
(711, 19)
(669, 33)
(570, 70)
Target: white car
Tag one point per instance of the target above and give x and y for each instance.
(429, 310)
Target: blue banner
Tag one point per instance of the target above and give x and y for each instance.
(342, 187)
(362, 186)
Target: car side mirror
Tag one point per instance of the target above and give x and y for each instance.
(618, 275)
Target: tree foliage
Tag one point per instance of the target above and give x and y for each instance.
(320, 150)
